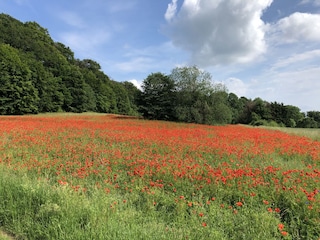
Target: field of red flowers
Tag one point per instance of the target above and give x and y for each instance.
(173, 168)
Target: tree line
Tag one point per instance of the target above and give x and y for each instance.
(39, 75)
(188, 95)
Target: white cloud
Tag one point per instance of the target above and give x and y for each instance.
(220, 31)
(136, 83)
(297, 59)
(298, 87)
(171, 11)
(296, 27)
(291, 86)
(236, 86)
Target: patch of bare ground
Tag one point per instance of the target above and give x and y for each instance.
(5, 236)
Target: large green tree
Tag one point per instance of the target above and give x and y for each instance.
(198, 99)
(157, 97)
(192, 87)
(17, 92)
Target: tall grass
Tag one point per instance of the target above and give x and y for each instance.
(35, 210)
(103, 177)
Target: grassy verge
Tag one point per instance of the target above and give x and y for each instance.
(313, 133)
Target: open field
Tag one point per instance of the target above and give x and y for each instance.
(83, 176)
(313, 133)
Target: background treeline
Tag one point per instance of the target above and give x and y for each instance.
(39, 75)
(188, 95)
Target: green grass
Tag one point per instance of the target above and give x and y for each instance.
(36, 210)
(313, 133)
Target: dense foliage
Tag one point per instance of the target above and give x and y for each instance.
(39, 75)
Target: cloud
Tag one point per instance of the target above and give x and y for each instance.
(138, 64)
(72, 19)
(298, 60)
(80, 34)
(171, 11)
(298, 87)
(296, 27)
(236, 86)
(84, 42)
(116, 7)
(136, 83)
(218, 32)
(149, 59)
(314, 2)
(21, 2)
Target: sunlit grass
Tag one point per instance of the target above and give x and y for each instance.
(313, 133)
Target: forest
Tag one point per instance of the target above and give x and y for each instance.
(39, 75)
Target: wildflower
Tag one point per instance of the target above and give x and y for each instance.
(190, 204)
(239, 204)
(265, 202)
(204, 224)
(201, 214)
(284, 233)
(270, 209)
(280, 226)
(277, 210)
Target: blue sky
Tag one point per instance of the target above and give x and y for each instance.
(263, 48)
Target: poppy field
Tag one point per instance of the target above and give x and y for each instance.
(94, 176)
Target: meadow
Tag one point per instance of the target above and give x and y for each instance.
(94, 176)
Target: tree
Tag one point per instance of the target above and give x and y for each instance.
(197, 99)
(80, 95)
(293, 115)
(133, 94)
(123, 105)
(48, 86)
(192, 85)
(17, 93)
(220, 111)
(66, 52)
(236, 107)
(308, 122)
(157, 97)
(315, 115)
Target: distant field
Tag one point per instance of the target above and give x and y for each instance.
(97, 176)
(313, 133)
